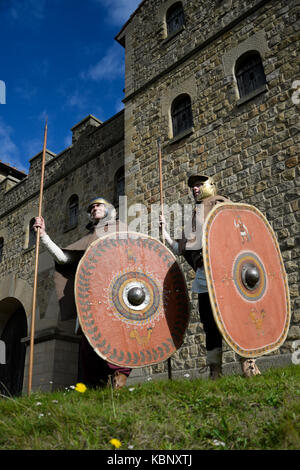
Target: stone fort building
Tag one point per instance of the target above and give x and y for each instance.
(216, 81)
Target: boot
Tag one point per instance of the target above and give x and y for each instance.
(215, 371)
(214, 362)
(118, 380)
(249, 367)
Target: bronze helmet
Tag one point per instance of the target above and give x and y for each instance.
(97, 200)
(110, 211)
(207, 188)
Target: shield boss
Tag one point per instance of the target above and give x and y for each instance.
(246, 279)
(131, 299)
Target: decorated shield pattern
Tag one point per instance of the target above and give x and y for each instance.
(246, 279)
(131, 299)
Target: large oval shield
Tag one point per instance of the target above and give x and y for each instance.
(131, 298)
(246, 279)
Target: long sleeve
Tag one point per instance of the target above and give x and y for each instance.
(172, 243)
(58, 254)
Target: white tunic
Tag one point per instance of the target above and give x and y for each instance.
(199, 285)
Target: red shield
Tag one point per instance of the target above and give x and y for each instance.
(246, 279)
(131, 299)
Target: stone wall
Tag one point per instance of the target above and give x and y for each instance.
(86, 169)
(251, 148)
(149, 50)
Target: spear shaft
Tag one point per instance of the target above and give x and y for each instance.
(37, 249)
(161, 185)
(162, 232)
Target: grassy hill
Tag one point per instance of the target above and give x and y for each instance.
(230, 413)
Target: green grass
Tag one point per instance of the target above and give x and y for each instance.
(230, 413)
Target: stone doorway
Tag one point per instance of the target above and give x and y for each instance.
(13, 327)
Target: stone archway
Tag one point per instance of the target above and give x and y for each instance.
(13, 327)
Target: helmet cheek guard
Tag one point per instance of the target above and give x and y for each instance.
(207, 186)
(98, 200)
(207, 189)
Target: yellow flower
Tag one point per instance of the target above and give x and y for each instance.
(80, 387)
(116, 443)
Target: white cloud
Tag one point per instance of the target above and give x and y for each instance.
(110, 66)
(26, 92)
(8, 148)
(119, 11)
(18, 11)
(77, 100)
(72, 95)
(9, 152)
(68, 140)
(43, 116)
(119, 106)
(33, 147)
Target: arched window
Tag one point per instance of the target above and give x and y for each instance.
(249, 72)
(12, 372)
(174, 18)
(119, 185)
(1, 248)
(32, 234)
(181, 113)
(72, 211)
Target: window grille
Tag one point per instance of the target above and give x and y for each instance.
(32, 234)
(181, 111)
(175, 18)
(250, 74)
(73, 209)
(119, 185)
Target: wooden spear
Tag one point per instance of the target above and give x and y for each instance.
(37, 249)
(161, 185)
(162, 232)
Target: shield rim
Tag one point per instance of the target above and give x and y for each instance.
(242, 352)
(168, 355)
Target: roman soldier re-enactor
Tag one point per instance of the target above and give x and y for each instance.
(205, 196)
(92, 369)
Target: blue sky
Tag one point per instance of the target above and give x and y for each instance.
(59, 60)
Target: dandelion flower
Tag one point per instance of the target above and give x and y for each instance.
(116, 443)
(80, 387)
